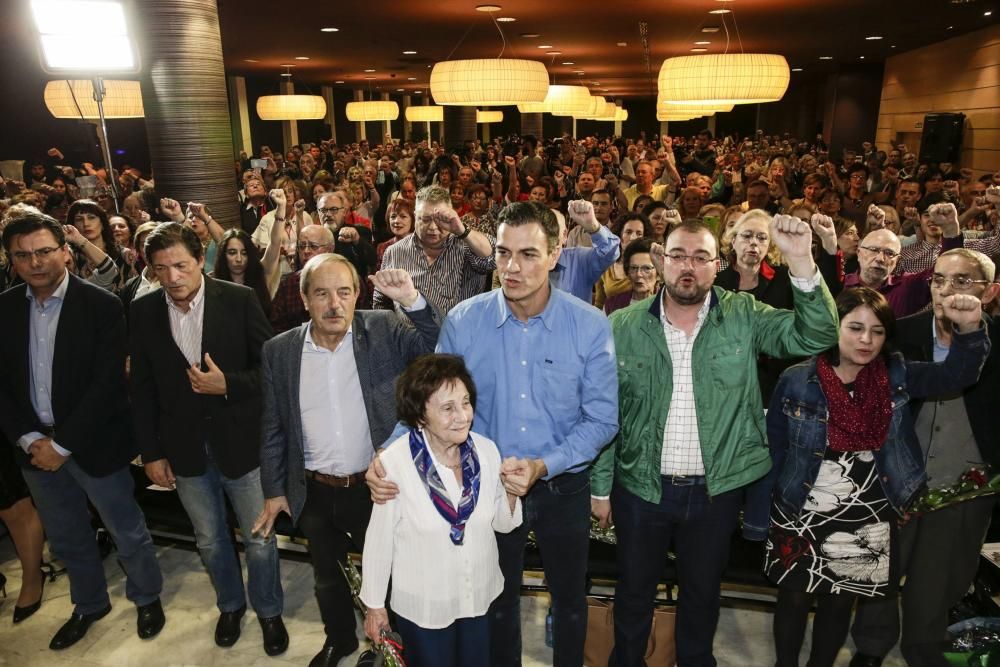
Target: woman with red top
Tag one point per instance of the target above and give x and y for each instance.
(400, 217)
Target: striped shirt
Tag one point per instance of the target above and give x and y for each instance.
(922, 255)
(454, 276)
(186, 327)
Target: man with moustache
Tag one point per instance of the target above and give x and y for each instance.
(691, 439)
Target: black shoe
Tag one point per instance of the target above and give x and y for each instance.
(22, 613)
(275, 635)
(862, 660)
(150, 619)
(75, 628)
(227, 630)
(332, 652)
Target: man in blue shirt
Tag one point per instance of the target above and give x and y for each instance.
(577, 269)
(541, 361)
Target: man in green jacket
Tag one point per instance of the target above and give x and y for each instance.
(692, 434)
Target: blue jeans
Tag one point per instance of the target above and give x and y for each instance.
(464, 642)
(698, 529)
(61, 498)
(203, 500)
(558, 510)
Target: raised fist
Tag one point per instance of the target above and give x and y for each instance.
(824, 228)
(876, 217)
(278, 196)
(581, 212)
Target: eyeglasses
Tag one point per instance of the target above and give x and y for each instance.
(641, 268)
(750, 236)
(696, 260)
(888, 253)
(40, 254)
(330, 210)
(959, 283)
(310, 246)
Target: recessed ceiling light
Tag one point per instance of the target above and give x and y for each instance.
(530, 35)
(951, 27)
(400, 90)
(545, 46)
(893, 46)
(826, 57)
(796, 69)
(338, 82)
(488, 8)
(369, 70)
(861, 57)
(370, 78)
(872, 38)
(702, 43)
(622, 44)
(721, 11)
(698, 49)
(569, 62)
(506, 19)
(710, 28)
(409, 53)
(411, 78)
(554, 53)
(302, 57)
(418, 92)
(329, 29)
(578, 71)
(988, 13)
(286, 74)
(251, 60)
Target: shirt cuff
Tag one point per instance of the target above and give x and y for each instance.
(62, 452)
(24, 442)
(593, 497)
(419, 304)
(806, 284)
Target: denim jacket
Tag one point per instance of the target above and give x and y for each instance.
(796, 430)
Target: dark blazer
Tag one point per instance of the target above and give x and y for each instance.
(914, 340)
(173, 422)
(383, 345)
(89, 390)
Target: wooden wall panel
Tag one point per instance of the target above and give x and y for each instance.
(960, 75)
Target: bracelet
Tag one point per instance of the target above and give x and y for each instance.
(465, 234)
(277, 219)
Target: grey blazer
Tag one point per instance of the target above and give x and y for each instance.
(384, 343)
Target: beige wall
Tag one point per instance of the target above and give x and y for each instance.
(958, 75)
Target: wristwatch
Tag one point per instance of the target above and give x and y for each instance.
(468, 230)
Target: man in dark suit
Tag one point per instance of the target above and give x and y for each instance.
(63, 400)
(329, 400)
(195, 387)
(939, 550)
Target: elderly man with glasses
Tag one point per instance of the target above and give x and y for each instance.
(287, 309)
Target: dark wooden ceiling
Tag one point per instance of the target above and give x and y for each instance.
(373, 34)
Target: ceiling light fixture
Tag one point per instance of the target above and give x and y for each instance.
(489, 82)
(506, 19)
(710, 28)
(329, 29)
(424, 114)
(622, 43)
(544, 46)
(400, 90)
(730, 78)
(698, 49)
(721, 11)
(488, 8)
(702, 43)
(373, 110)
(302, 57)
(409, 53)
(291, 107)
(338, 82)
(796, 69)
(75, 99)
(489, 116)
(569, 62)
(369, 70)
(554, 53)
(530, 35)
(250, 60)
(826, 57)
(411, 78)
(872, 38)
(988, 13)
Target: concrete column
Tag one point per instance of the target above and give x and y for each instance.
(407, 125)
(187, 110)
(459, 125)
(359, 96)
(711, 124)
(289, 128)
(239, 113)
(664, 129)
(531, 123)
(386, 125)
(327, 93)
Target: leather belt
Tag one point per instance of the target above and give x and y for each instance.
(684, 480)
(335, 481)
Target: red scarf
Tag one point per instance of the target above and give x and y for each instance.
(860, 422)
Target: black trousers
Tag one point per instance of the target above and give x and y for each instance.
(335, 520)
(940, 555)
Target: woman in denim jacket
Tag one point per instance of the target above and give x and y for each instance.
(846, 459)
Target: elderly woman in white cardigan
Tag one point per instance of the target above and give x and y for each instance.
(436, 539)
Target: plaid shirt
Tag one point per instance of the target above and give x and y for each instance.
(921, 255)
(287, 309)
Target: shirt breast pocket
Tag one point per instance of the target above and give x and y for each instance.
(729, 364)
(561, 385)
(806, 424)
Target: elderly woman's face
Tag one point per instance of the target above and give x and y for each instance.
(448, 414)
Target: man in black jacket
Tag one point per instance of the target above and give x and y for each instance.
(195, 387)
(939, 550)
(63, 401)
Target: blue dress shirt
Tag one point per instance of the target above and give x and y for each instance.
(546, 388)
(578, 269)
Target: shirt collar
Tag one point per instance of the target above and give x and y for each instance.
(196, 302)
(59, 294)
(309, 345)
(547, 316)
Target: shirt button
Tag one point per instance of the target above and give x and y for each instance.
(524, 428)
(524, 363)
(525, 329)
(524, 395)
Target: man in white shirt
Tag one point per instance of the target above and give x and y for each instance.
(329, 399)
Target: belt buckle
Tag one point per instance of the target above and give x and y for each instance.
(347, 481)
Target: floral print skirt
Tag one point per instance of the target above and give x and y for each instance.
(841, 541)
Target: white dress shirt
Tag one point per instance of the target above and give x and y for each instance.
(186, 327)
(336, 436)
(435, 582)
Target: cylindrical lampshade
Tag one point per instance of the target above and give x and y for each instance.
(425, 114)
(731, 78)
(676, 115)
(604, 111)
(568, 100)
(75, 99)
(489, 82)
(489, 116)
(621, 114)
(374, 110)
(533, 107)
(291, 107)
(663, 105)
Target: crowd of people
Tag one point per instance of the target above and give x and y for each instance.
(425, 355)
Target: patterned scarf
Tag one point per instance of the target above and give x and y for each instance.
(435, 487)
(860, 422)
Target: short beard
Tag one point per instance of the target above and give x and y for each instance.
(685, 300)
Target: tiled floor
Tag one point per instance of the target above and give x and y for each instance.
(743, 638)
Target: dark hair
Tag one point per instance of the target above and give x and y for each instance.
(132, 226)
(618, 224)
(30, 222)
(255, 271)
(652, 207)
(758, 183)
(170, 234)
(403, 203)
(604, 192)
(526, 213)
(636, 247)
(856, 167)
(424, 376)
(705, 133)
(855, 297)
(92, 207)
(476, 188)
(694, 227)
(931, 199)
(641, 202)
(815, 179)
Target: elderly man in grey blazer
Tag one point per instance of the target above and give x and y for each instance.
(328, 402)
